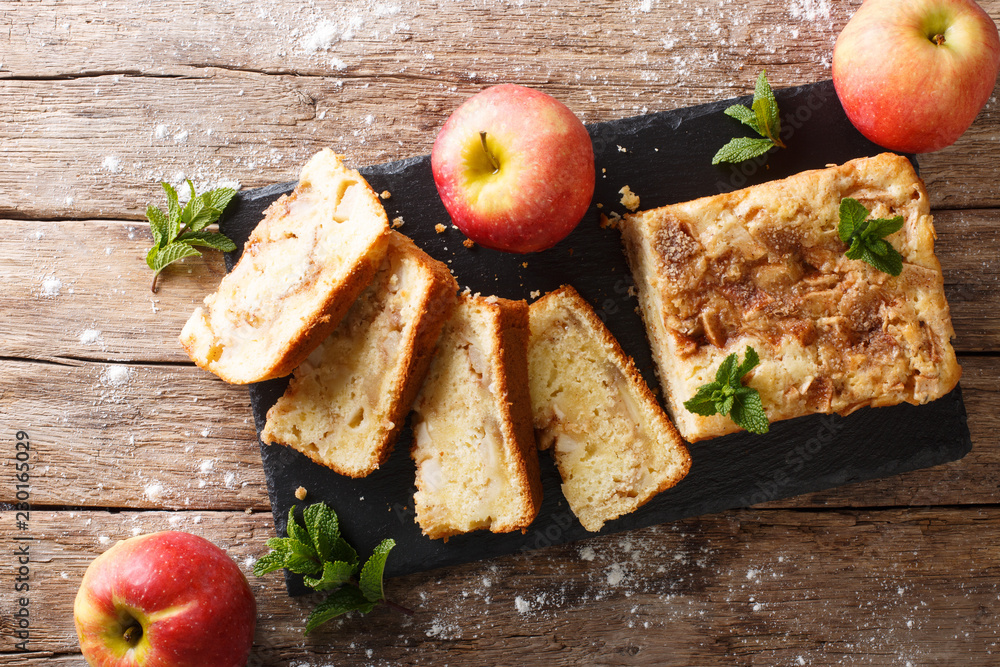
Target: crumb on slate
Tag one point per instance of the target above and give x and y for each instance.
(535, 294)
(439, 228)
(300, 493)
(611, 220)
(397, 222)
(385, 194)
(630, 200)
(468, 243)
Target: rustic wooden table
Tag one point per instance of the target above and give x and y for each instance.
(99, 101)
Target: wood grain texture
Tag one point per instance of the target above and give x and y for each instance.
(744, 588)
(256, 88)
(139, 436)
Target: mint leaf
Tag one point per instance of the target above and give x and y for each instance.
(763, 118)
(328, 563)
(742, 149)
(269, 563)
(323, 527)
(170, 254)
(176, 232)
(744, 115)
(750, 361)
(338, 603)
(729, 396)
(218, 199)
(297, 531)
(852, 215)
(703, 402)
(371, 573)
(866, 238)
(208, 239)
(748, 411)
(159, 225)
(334, 574)
(765, 108)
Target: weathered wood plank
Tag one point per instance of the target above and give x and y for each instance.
(139, 436)
(95, 146)
(118, 435)
(746, 587)
(80, 290)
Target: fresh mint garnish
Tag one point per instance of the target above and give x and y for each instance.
(176, 232)
(316, 550)
(866, 238)
(728, 395)
(762, 118)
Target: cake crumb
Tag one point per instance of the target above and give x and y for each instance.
(622, 149)
(385, 194)
(630, 200)
(300, 493)
(397, 222)
(468, 243)
(610, 220)
(439, 228)
(524, 265)
(535, 294)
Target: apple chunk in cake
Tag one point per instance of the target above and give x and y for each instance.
(477, 463)
(765, 267)
(301, 269)
(613, 445)
(346, 403)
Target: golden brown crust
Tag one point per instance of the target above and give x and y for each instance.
(477, 464)
(765, 267)
(643, 454)
(326, 385)
(513, 347)
(303, 266)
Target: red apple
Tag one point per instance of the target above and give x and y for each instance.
(166, 599)
(913, 74)
(515, 169)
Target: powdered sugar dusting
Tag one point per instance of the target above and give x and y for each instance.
(116, 376)
(51, 286)
(809, 10)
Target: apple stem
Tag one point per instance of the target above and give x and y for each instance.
(493, 159)
(938, 39)
(132, 634)
(155, 278)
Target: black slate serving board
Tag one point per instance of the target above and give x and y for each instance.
(664, 158)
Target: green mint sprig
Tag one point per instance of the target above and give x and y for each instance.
(866, 238)
(762, 118)
(728, 395)
(316, 550)
(176, 232)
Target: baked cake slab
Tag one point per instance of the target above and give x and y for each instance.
(765, 267)
(347, 402)
(301, 269)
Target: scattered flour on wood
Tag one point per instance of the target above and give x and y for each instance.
(116, 376)
(51, 286)
(91, 337)
(112, 164)
(154, 492)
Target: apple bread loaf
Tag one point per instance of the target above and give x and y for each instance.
(612, 443)
(477, 463)
(347, 402)
(301, 269)
(764, 267)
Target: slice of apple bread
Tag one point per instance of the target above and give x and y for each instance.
(477, 463)
(301, 269)
(614, 446)
(347, 402)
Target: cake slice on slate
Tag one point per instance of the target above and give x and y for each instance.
(347, 402)
(477, 463)
(764, 267)
(301, 269)
(614, 446)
